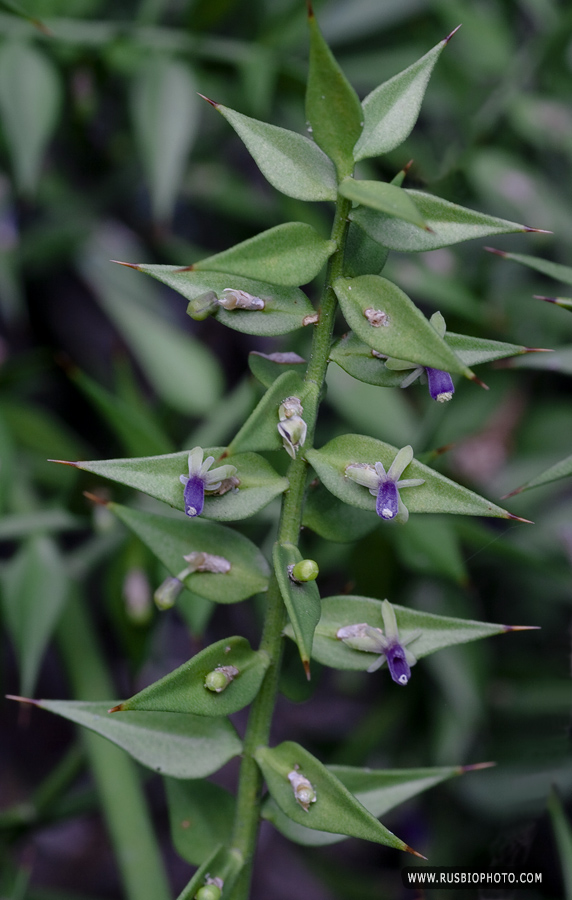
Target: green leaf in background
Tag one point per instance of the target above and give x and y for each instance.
(552, 269)
(17, 9)
(437, 495)
(561, 469)
(184, 691)
(379, 790)
(289, 254)
(564, 302)
(224, 864)
(302, 600)
(431, 546)
(333, 109)
(170, 358)
(404, 333)
(385, 198)
(284, 307)
(292, 164)
(165, 114)
(201, 815)
(176, 744)
(335, 807)
(196, 612)
(563, 835)
(363, 256)
(434, 632)
(260, 431)
(449, 224)
(21, 525)
(391, 110)
(474, 351)
(333, 520)
(170, 539)
(158, 476)
(30, 100)
(135, 427)
(267, 367)
(34, 591)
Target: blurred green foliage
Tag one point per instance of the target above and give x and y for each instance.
(106, 152)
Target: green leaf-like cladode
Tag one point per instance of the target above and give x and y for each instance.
(355, 357)
(184, 691)
(292, 163)
(284, 307)
(176, 744)
(383, 197)
(30, 100)
(449, 224)
(201, 815)
(289, 254)
(267, 367)
(563, 834)
(34, 592)
(437, 495)
(334, 520)
(335, 810)
(547, 267)
(333, 109)
(166, 115)
(170, 539)
(561, 469)
(362, 255)
(260, 431)
(223, 864)
(400, 330)
(302, 600)
(434, 632)
(379, 790)
(391, 110)
(158, 476)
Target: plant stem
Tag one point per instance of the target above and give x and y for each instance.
(247, 815)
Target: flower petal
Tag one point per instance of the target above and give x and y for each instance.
(194, 496)
(397, 663)
(400, 463)
(363, 474)
(387, 505)
(441, 385)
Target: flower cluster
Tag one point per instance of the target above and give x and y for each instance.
(385, 486)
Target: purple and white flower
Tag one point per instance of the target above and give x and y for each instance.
(440, 383)
(385, 486)
(200, 479)
(387, 643)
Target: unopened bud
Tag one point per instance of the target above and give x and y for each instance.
(207, 562)
(220, 678)
(203, 306)
(232, 298)
(304, 793)
(305, 570)
(212, 890)
(167, 593)
(293, 433)
(290, 407)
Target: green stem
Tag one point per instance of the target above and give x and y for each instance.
(247, 815)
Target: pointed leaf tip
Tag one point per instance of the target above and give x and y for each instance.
(494, 250)
(21, 699)
(184, 269)
(508, 628)
(212, 102)
(310, 9)
(547, 299)
(512, 493)
(414, 852)
(407, 166)
(474, 767)
(65, 462)
(538, 350)
(520, 519)
(449, 36)
(527, 228)
(480, 383)
(306, 664)
(129, 265)
(118, 708)
(95, 499)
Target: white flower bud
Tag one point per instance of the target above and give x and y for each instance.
(304, 793)
(232, 298)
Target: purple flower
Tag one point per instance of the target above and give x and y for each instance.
(441, 387)
(200, 479)
(385, 486)
(391, 649)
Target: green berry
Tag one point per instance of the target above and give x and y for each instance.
(216, 681)
(208, 892)
(305, 570)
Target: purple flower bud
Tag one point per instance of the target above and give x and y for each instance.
(387, 504)
(194, 495)
(397, 663)
(441, 385)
